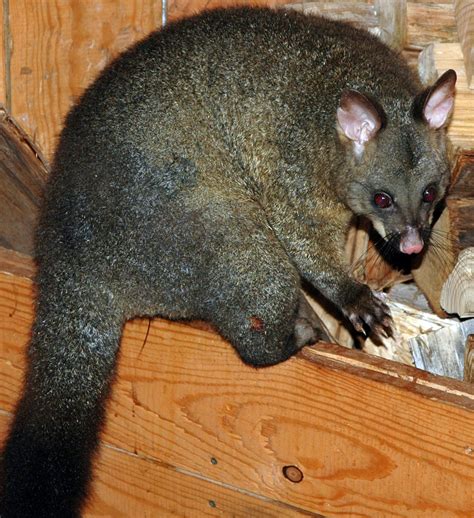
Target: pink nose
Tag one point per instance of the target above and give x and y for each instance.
(411, 249)
(411, 241)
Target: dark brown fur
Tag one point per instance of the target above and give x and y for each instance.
(202, 176)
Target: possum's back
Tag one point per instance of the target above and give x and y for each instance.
(207, 70)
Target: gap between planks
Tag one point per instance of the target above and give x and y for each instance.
(193, 474)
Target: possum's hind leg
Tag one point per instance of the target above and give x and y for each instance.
(54, 434)
(254, 291)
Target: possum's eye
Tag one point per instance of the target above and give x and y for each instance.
(429, 194)
(383, 200)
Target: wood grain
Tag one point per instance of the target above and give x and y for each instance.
(430, 22)
(469, 359)
(464, 10)
(16, 263)
(460, 203)
(4, 53)
(457, 295)
(392, 17)
(461, 128)
(442, 351)
(22, 180)
(128, 486)
(372, 438)
(58, 47)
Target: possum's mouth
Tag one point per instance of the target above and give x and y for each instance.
(409, 241)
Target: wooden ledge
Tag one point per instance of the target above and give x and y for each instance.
(16, 263)
(405, 377)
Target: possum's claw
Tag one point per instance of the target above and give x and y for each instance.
(370, 308)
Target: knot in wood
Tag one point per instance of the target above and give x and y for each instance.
(293, 474)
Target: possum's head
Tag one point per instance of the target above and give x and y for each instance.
(400, 167)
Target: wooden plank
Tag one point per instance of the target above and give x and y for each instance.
(405, 377)
(58, 49)
(430, 22)
(461, 128)
(22, 180)
(457, 295)
(127, 485)
(372, 438)
(16, 263)
(464, 10)
(469, 359)
(4, 54)
(392, 17)
(460, 204)
(442, 352)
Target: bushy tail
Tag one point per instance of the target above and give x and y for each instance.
(48, 454)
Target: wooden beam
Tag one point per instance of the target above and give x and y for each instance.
(60, 47)
(23, 176)
(457, 295)
(469, 359)
(464, 10)
(5, 54)
(392, 17)
(442, 352)
(460, 202)
(461, 128)
(183, 398)
(430, 22)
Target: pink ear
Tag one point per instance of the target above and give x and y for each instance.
(358, 118)
(440, 100)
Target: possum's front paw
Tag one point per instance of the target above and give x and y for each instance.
(369, 307)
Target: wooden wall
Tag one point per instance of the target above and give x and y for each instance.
(52, 49)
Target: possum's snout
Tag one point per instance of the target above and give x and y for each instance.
(411, 241)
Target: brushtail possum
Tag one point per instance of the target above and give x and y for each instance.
(205, 173)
